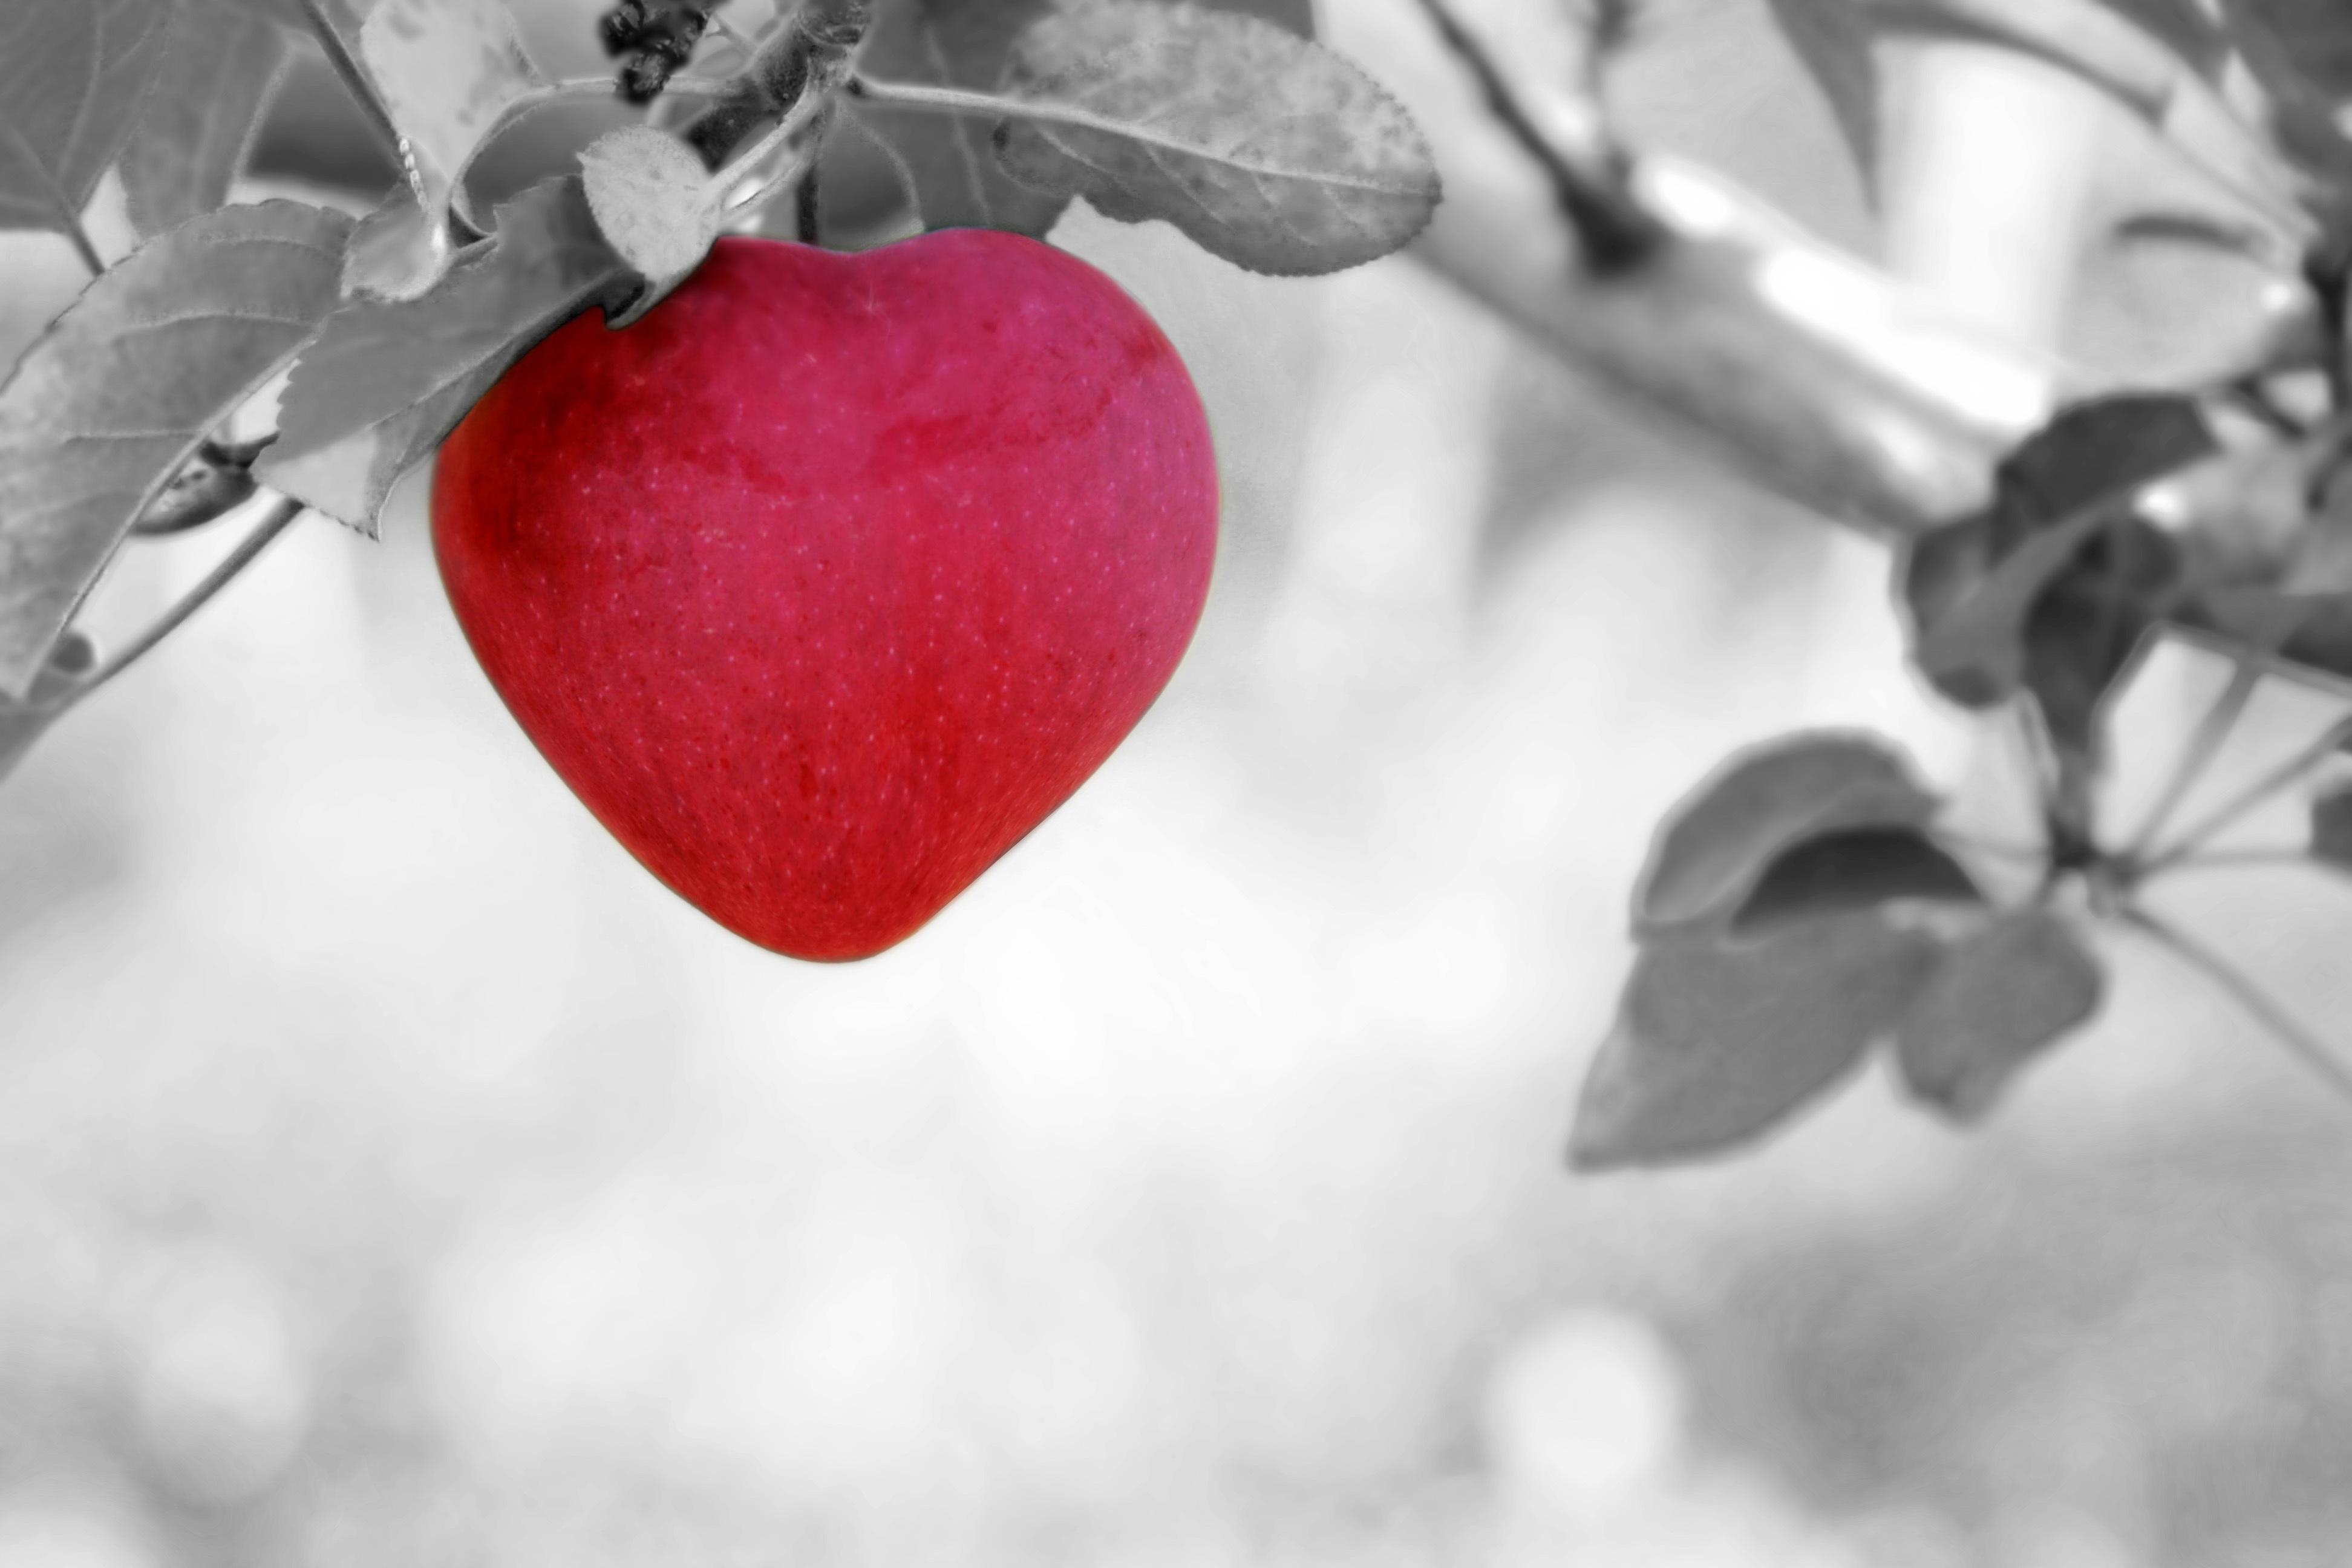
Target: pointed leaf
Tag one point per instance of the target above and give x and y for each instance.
(1264, 149)
(1995, 1000)
(1718, 1042)
(1840, 873)
(384, 381)
(72, 76)
(105, 407)
(949, 161)
(655, 202)
(1714, 846)
(219, 66)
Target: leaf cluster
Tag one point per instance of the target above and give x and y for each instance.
(1802, 906)
(1266, 148)
(1800, 909)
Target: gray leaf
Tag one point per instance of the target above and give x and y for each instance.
(447, 70)
(1719, 841)
(1995, 1000)
(1264, 149)
(1717, 1042)
(218, 68)
(104, 408)
(72, 76)
(385, 381)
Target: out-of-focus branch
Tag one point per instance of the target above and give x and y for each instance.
(1812, 373)
(1590, 175)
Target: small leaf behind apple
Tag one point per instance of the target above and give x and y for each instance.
(1266, 150)
(106, 406)
(655, 202)
(386, 380)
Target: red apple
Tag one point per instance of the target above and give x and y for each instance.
(825, 582)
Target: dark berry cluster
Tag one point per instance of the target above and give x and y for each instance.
(656, 37)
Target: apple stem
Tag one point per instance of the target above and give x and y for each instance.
(805, 206)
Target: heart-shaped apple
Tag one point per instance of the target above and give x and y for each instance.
(825, 582)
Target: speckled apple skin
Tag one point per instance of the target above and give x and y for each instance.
(825, 582)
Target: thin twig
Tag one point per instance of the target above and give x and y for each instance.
(807, 226)
(1590, 186)
(275, 522)
(2251, 396)
(2247, 995)
(2203, 746)
(2253, 796)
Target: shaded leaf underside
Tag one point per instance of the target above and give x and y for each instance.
(103, 409)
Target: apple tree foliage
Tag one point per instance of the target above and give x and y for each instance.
(1805, 907)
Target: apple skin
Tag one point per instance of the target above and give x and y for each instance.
(830, 578)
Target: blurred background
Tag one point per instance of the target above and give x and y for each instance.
(391, 1173)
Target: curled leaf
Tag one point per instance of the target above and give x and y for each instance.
(1718, 843)
(1840, 873)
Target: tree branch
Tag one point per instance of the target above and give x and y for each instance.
(1590, 175)
(1812, 374)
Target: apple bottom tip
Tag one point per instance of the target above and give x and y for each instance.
(836, 950)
